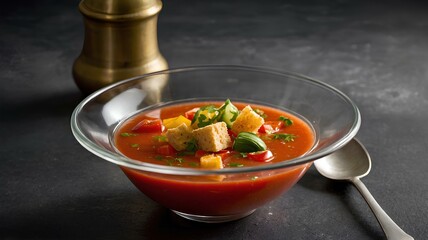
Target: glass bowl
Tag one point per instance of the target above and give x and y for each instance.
(192, 193)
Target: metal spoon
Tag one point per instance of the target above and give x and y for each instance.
(351, 163)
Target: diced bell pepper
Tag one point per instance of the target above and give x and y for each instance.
(261, 156)
(176, 121)
(191, 113)
(271, 127)
(166, 150)
(211, 162)
(149, 126)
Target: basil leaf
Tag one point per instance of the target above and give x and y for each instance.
(248, 142)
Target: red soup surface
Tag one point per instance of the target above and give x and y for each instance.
(286, 137)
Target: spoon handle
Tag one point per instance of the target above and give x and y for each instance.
(391, 229)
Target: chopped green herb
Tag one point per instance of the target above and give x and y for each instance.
(284, 137)
(171, 161)
(202, 119)
(235, 164)
(206, 115)
(160, 138)
(193, 164)
(243, 155)
(192, 145)
(261, 113)
(287, 121)
(135, 145)
(209, 108)
(126, 134)
(185, 153)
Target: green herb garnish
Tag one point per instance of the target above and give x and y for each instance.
(126, 134)
(205, 116)
(160, 138)
(235, 164)
(248, 142)
(179, 160)
(185, 153)
(135, 145)
(284, 137)
(193, 164)
(192, 145)
(261, 113)
(171, 161)
(287, 121)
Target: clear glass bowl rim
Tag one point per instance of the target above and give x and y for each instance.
(121, 160)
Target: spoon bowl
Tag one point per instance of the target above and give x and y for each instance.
(350, 163)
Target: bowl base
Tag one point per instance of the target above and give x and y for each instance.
(213, 219)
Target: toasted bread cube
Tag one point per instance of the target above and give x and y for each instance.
(247, 121)
(211, 162)
(213, 138)
(180, 136)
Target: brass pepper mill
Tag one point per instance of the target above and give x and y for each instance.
(120, 42)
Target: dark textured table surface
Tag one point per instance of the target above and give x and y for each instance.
(377, 53)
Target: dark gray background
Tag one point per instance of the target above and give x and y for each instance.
(374, 51)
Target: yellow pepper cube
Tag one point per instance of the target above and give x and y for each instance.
(211, 162)
(176, 121)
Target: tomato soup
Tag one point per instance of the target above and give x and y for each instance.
(277, 136)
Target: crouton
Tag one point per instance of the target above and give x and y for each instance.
(213, 138)
(247, 121)
(179, 137)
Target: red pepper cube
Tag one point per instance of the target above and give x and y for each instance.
(149, 126)
(191, 113)
(166, 150)
(222, 153)
(201, 153)
(232, 135)
(261, 156)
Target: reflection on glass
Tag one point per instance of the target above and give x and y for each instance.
(122, 104)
